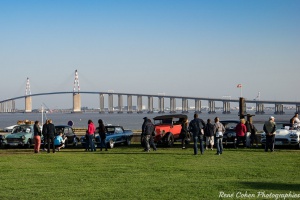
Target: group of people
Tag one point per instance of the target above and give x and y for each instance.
(212, 134)
(50, 137)
(90, 145)
(208, 133)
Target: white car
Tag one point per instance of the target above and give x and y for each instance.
(286, 135)
(9, 128)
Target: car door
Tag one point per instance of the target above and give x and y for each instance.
(119, 133)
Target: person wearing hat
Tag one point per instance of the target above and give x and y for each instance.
(270, 129)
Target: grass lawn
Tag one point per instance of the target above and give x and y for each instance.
(169, 173)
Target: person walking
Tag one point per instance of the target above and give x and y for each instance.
(241, 131)
(143, 136)
(219, 130)
(196, 126)
(209, 134)
(37, 136)
(270, 129)
(50, 136)
(184, 132)
(102, 134)
(147, 131)
(90, 136)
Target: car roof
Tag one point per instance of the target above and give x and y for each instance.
(170, 116)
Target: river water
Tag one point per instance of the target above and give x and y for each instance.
(131, 121)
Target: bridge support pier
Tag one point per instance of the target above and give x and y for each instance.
(110, 103)
(197, 106)
(120, 103)
(139, 104)
(129, 103)
(150, 104)
(161, 105)
(101, 99)
(212, 107)
(226, 107)
(172, 105)
(259, 108)
(297, 108)
(28, 104)
(185, 105)
(279, 109)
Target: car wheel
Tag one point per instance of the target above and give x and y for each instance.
(170, 139)
(111, 144)
(128, 141)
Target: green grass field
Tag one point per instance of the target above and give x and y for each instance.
(129, 173)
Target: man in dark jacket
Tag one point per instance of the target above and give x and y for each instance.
(269, 129)
(196, 126)
(147, 132)
(209, 134)
(50, 135)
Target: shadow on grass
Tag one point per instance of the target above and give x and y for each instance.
(294, 187)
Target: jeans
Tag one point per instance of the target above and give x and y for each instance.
(219, 145)
(90, 142)
(201, 139)
(147, 148)
(152, 143)
(102, 144)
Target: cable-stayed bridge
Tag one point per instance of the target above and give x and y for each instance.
(8, 105)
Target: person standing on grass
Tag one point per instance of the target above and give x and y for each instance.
(196, 127)
(50, 136)
(102, 134)
(147, 131)
(184, 132)
(37, 136)
(90, 136)
(241, 131)
(44, 133)
(219, 130)
(270, 128)
(209, 134)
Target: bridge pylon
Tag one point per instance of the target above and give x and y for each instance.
(76, 95)
(28, 100)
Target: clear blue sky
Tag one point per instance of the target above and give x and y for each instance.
(177, 47)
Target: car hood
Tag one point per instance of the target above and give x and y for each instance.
(283, 133)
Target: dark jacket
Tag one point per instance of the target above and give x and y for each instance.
(195, 126)
(209, 130)
(102, 131)
(36, 130)
(50, 130)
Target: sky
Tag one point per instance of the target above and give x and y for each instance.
(199, 48)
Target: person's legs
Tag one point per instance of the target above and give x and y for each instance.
(195, 145)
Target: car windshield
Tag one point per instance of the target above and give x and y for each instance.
(22, 129)
(110, 130)
(230, 125)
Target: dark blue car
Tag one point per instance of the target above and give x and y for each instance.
(114, 135)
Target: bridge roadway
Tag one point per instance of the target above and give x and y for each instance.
(8, 105)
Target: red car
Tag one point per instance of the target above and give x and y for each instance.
(168, 128)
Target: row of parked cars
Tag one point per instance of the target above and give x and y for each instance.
(167, 131)
(22, 136)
